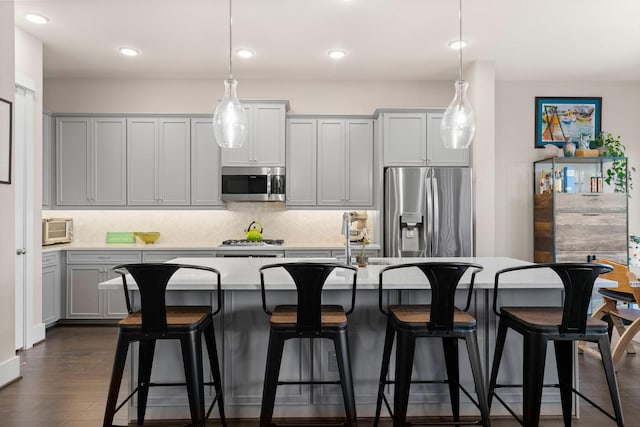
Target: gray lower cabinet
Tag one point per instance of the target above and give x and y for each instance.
(51, 288)
(91, 161)
(158, 161)
(85, 270)
(205, 164)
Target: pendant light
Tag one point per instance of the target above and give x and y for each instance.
(458, 122)
(230, 122)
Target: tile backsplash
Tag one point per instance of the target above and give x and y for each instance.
(213, 226)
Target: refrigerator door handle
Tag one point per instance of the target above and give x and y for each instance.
(428, 220)
(435, 215)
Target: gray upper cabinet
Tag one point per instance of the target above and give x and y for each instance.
(205, 164)
(91, 159)
(158, 161)
(413, 139)
(404, 139)
(301, 161)
(345, 162)
(437, 154)
(265, 144)
(47, 158)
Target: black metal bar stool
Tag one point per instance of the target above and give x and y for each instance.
(156, 321)
(308, 319)
(562, 325)
(439, 319)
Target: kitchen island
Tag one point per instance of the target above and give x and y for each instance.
(242, 330)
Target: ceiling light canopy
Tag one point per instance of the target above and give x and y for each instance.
(337, 54)
(129, 51)
(230, 123)
(36, 18)
(458, 123)
(245, 53)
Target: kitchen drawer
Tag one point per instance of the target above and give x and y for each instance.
(605, 202)
(576, 231)
(620, 257)
(103, 257)
(49, 259)
(162, 256)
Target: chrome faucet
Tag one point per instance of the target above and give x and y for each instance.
(346, 231)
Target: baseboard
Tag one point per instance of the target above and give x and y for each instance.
(9, 370)
(38, 333)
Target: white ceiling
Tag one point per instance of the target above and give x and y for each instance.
(560, 40)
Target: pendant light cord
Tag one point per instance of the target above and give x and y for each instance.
(459, 37)
(230, 42)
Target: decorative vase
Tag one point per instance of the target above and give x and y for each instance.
(362, 261)
(569, 148)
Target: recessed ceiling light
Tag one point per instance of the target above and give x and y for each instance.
(36, 18)
(245, 53)
(337, 54)
(457, 44)
(129, 51)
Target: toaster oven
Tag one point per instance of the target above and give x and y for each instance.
(57, 230)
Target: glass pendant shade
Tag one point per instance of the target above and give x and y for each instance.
(230, 122)
(458, 122)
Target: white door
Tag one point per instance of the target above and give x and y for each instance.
(23, 146)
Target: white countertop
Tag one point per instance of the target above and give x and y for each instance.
(201, 246)
(242, 274)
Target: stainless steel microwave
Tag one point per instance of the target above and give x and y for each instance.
(57, 230)
(259, 184)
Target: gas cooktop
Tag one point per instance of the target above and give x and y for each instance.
(244, 242)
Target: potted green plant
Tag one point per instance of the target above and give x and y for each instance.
(361, 259)
(617, 175)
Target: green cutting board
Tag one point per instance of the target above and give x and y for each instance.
(120, 237)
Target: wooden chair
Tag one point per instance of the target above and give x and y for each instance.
(615, 315)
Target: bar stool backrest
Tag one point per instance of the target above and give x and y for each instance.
(443, 278)
(578, 280)
(309, 278)
(152, 280)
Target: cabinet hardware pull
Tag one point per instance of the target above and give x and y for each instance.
(590, 214)
(590, 195)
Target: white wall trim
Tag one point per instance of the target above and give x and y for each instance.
(38, 333)
(9, 370)
(25, 82)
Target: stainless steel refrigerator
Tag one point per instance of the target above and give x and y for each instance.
(428, 212)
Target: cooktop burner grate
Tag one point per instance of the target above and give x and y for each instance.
(244, 242)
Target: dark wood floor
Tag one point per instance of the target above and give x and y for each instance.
(65, 380)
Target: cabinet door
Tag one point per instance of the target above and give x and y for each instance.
(47, 170)
(331, 162)
(73, 161)
(404, 139)
(50, 294)
(301, 162)
(437, 154)
(142, 161)
(174, 177)
(268, 134)
(110, 159)
(205, 164)
(242, 156)
(84, 300)
(360, 162)
(115, 305)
